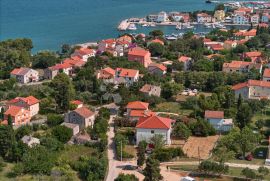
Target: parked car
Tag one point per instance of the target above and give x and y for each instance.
(187, 179)
(249, 157)
(129, 167)
(260, 154)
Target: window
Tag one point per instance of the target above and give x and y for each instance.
(152, 131)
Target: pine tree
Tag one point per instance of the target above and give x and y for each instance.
(152, 170)
(239, 101)
(141, 153)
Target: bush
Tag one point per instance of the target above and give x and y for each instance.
(62, 133)
(22, 131)
(167, 154)
(54, 119)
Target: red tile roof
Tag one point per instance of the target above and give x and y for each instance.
(13, 110)
(20, 71)
(154, 122)
(30, 100)
(84, 51)
(159, 66)
(76, 102)
(266, 72)
(141, 113)
(184, 59)
(84, 112)
(137, 51)
(157, 41)
(137, 105)
(249, 83)
(109, 70)
(127, 72)
(237, 64)
(216, 47)
(253, 54)
(214, 114)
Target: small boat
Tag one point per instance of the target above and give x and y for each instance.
(132, 26)
(171, 38)
(152, 25)
(145, 25)
(208, 1)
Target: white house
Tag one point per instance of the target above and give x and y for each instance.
(84, 53)
(24, 75)
(147, 127)
(216, 119)
(126, 76)
(162, 17)
(204, 18)
(255, 19)
(187, 61)
(240, 19)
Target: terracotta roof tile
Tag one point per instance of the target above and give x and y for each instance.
(184, 59)
(127, 72)
(137, 105)
(84, 112)
(137, 51)
(249, 83)
(266, 72)
(159, 66)
(214, 114)
(14, 110)
(154, 122)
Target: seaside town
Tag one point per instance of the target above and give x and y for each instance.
(142, 106)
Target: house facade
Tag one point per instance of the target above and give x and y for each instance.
(147, 127)
(252, 89)
(29, 103)
(204, 18)
(241, 66)
(25, 75)
(151, 90)
(157, 69)
(266, 75)
(240, 19)
(216, 119)
(19, 115)
(81, 116)
(140, 55)
(84, 53)
(187, 61)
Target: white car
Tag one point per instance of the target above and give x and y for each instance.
(187, 179)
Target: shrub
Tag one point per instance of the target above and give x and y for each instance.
(167, 154)
(54, 119)
(62, 133)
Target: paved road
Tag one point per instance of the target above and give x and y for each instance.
(115, 166)
(251, 166)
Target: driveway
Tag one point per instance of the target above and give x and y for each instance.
(115, 166)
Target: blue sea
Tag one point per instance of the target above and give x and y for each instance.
(51, 23)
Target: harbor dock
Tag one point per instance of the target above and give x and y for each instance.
(123, 25)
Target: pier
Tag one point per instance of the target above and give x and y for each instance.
(123, 25)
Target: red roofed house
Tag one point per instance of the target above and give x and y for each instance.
(151, 90)
(125, 38)
(147, 127)
(137, 109)
(255, 56)
(24, 75)
(84, 53)
(29, 103)
(204, 18)
(229, 44)
(106, 44)
(241, 66)
(156, 41)
(187, 61)
(158, 69)
(215, 47)
(216, 119)
(266, 75)
(247, 34)
(81, 116)
(51, 72)
(78, 103)
(107, 74)
(140, 55)
(126, 76)
(19, 115)
(253, 89)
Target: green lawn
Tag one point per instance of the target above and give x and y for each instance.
(172, 107)
(233, 171)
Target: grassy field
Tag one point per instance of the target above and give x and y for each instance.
(233, 172)
(172, 107)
